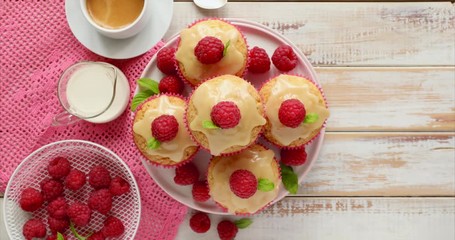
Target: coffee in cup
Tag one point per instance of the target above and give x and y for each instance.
(116, 18)
(114, 14)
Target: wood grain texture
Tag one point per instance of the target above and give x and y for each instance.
(390, 99)
(3, 234)
(360, 34)
(345, 218)
(383, 164)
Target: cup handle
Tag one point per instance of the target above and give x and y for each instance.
(64, 119)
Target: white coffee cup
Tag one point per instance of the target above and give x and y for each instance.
(119, 33)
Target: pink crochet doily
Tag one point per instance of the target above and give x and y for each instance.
(36, 45)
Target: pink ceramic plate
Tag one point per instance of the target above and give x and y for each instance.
(256, 35)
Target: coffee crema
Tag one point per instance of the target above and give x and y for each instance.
(114, 14)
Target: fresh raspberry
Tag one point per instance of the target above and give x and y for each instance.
(75, 180)
(200, 191)
(113, 227)
(31, 199)
(243, 183)
(200, 222)
(171, 84)
(186, 174)
(101, 201)
(58, 225)
(51, 189)
(284, 58)
(165, 61)
(54, 237)
(79, 214)
(293, 157)
(165, 128)
(34, 228)
(259, 61)
(59, 167)
(227, 230)
(291, 113)
(99, 177)
(209, 50)
(119, 186)
(225, 114)
(97, 236)
(57, 208)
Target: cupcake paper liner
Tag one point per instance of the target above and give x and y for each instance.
(154, 163)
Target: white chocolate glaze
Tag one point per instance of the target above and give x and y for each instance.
(255, 161)
(226, 88)
(231, 63)
(175, 148)
(294, 87)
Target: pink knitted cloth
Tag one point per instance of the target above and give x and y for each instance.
(36, 45)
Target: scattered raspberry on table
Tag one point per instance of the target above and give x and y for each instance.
(200, 222)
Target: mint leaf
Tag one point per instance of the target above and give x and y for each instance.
(289, 179)
(139, 98)
(243, 223)
(209, 125)
(152, 143)
(226, 47)
(60, 236)
(73, 230)
(265, 185)
(149, 84)
(311, 118)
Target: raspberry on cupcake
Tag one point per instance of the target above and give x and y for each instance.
(225, 115)
(159, 131)
(295, 110)
(211, 48)
(246, 182)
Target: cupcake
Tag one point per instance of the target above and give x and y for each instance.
(295, 109)
(211, 48)
(225, 115)
(246, 182)
(159, 131)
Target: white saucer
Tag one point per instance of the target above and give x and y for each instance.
(159, 22)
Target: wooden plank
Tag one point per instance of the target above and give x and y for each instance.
(361, 34)
(390, 99)
(3, 234)
(345, 218)
(383, 164)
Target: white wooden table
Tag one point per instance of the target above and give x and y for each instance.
(387, 167)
